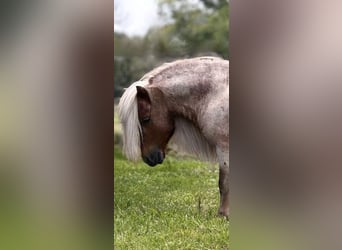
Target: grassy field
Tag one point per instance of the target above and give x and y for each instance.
(170, 206)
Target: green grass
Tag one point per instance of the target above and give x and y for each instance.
(117, 127)
(170, 206)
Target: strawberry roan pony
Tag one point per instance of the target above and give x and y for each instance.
(186, 101)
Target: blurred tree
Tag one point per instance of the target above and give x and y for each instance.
(212, 4)
(132, 58)
(190, 29)
(198, 28)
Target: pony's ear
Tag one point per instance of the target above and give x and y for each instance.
(143, 94)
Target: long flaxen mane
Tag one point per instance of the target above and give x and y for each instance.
(186, 137)
(128, 114)
(189, 139)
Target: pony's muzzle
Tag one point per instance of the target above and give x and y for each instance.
(154, 158)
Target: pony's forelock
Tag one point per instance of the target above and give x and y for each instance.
(128, 114)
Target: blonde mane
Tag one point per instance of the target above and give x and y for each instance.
(128, 114)
(190, 140)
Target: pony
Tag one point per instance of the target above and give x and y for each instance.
(186, 102)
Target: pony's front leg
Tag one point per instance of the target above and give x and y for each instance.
(224, 183)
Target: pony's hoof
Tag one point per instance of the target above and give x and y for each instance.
(223, 213)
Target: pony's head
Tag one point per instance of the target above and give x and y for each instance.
(147, 123)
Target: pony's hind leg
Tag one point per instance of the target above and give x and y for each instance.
(224, 191)
(224, 183)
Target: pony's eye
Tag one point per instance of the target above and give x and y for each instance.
(146, 120)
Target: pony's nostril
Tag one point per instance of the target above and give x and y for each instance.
(150, 161)
(160, 157)
(156, 157)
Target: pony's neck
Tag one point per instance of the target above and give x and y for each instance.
(190, 85)
(186, 109)
(187, 102)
